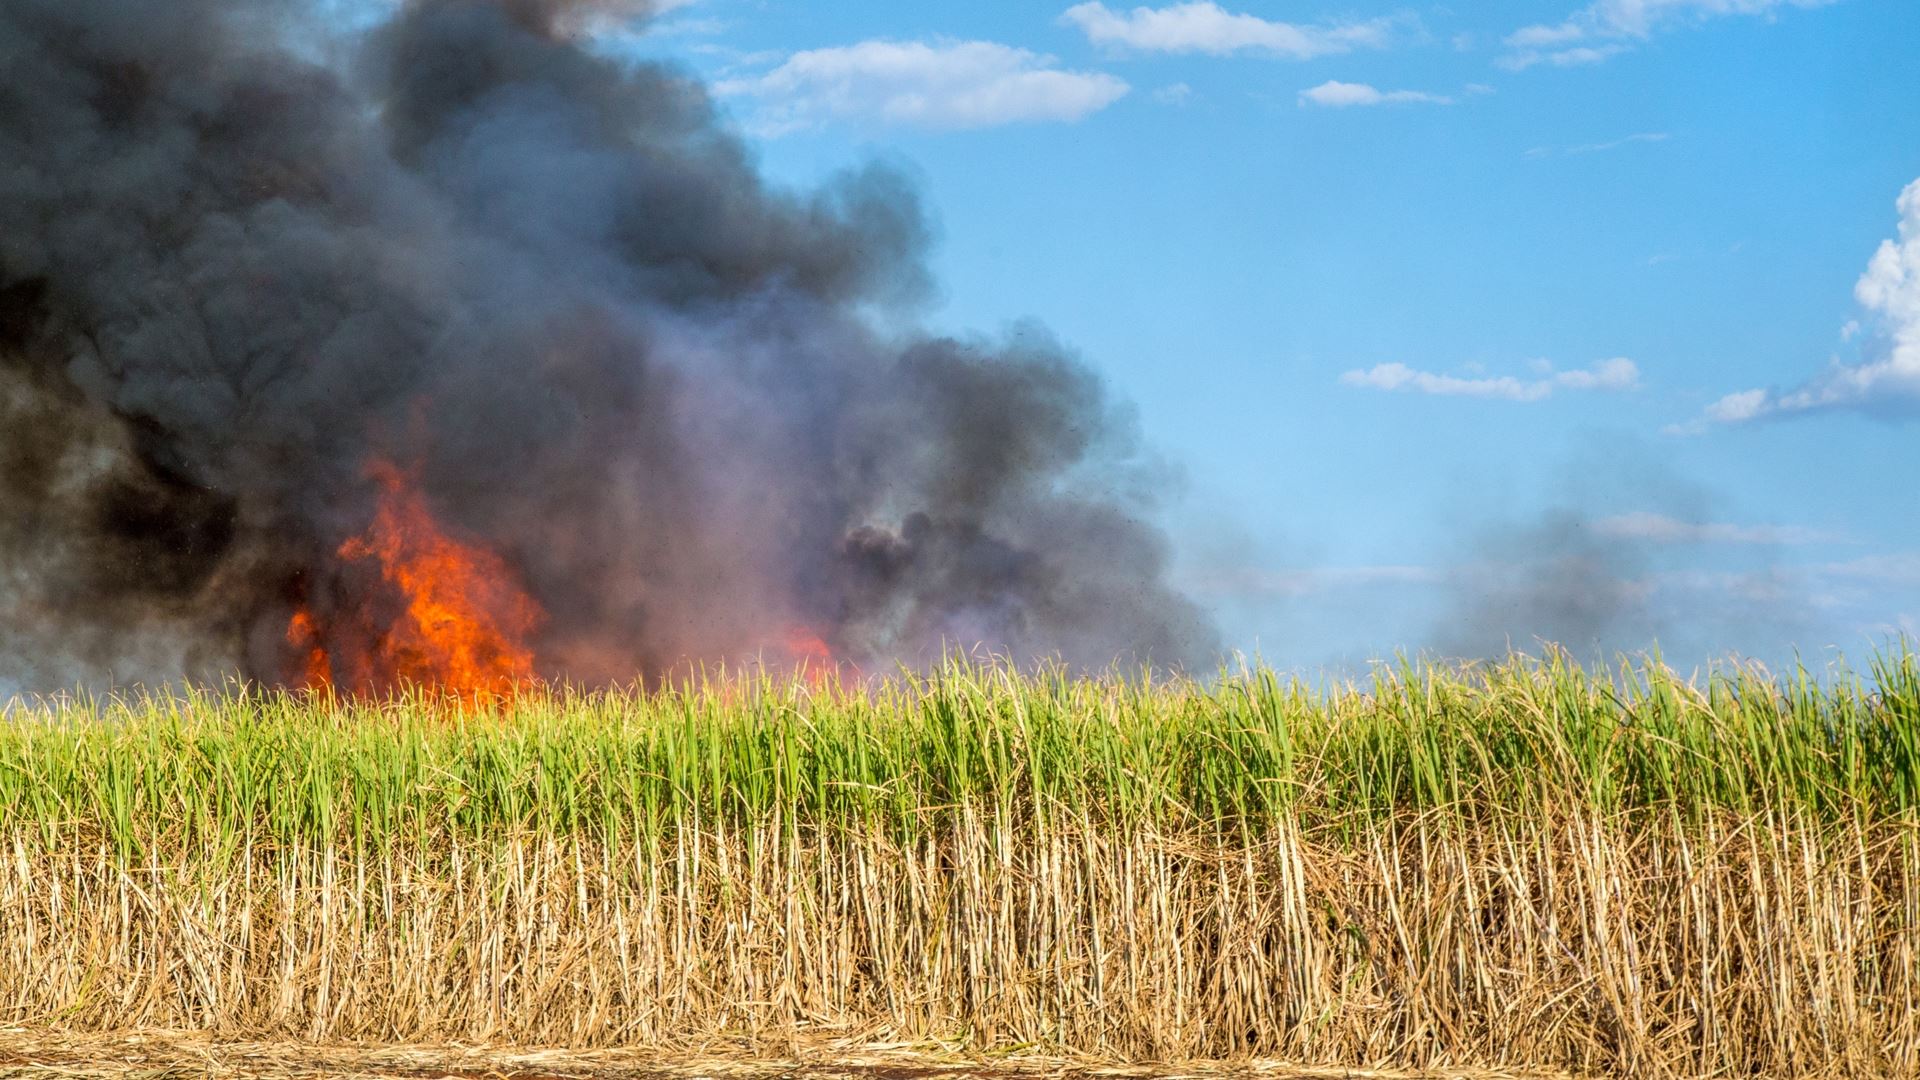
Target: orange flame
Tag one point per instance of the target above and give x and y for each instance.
(813, 659)
(304, 634)
(805, 646)
(462, 623)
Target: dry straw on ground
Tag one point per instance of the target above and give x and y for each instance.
(1526, 868)
(170, 1055)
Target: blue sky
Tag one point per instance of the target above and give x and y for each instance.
(1464, 324)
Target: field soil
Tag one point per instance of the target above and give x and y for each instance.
(27, 1054)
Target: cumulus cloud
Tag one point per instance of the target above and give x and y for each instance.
(1617, 374)
(1604, 28)
(1339, 95)
(1206, 27)
(941, 84)
(1663, 529)
(1886, 378)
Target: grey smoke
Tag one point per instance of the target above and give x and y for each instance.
(1555, 579)
(1564, 577)
(555, 285)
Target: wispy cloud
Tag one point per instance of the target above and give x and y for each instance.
(1610, 583)
(940, 84)
(1615, 144)
(1662, 529)
(1617, 374)
(1340, 95)
(1206, 27)
(1899, 568)
(1311, 581)
(1600, 147)
(1886, 381)
(1578, 56)
(1607, 28)
(690, 26)
(1903, 625)
(1174, 94)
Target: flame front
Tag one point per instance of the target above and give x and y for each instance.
(812, 659)
(461, 622)
(806, 647)
(303, 634)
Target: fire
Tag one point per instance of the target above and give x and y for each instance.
(812, 658)
(806, 647)
(457, 622)
(304, 635)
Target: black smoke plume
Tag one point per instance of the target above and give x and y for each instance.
(236, 267)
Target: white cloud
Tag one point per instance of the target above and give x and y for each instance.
(1887, 380)
(1174, 94)
(1579, 56)
(942, 84)
(1613, 23)
(1901, 569)
(1735, 408)
(1617, 374)
(1335, 94)
(1661, 529)
(1543, 37)
(1615, 144)
(1206, 27)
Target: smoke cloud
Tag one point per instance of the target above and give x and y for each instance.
(553, 289)
(1601, 583)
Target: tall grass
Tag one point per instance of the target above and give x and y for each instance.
(1523, 863)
